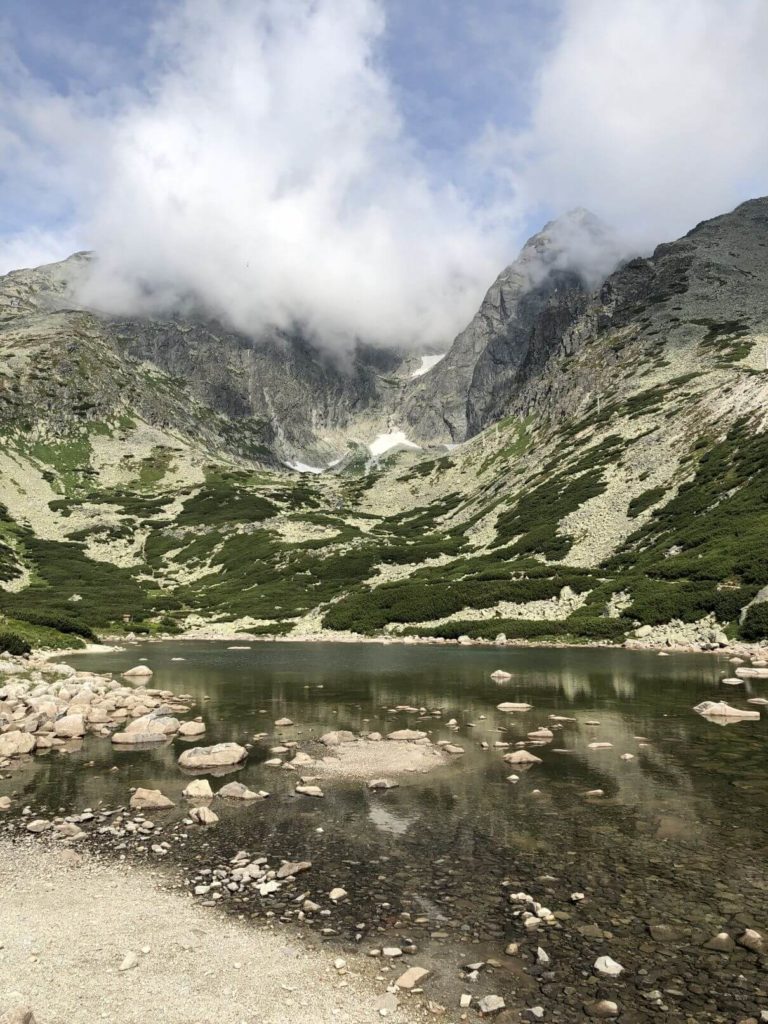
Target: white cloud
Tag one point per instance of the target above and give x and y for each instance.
(266, 173)
(650, 113)
(259, 167)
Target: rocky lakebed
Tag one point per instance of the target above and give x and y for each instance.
(528, 835)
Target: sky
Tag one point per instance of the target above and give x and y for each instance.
(362, 168)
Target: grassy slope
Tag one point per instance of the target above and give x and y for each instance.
(653, 503)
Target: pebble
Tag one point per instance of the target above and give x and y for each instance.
(129, 961)
(412, 977)
(608, 966)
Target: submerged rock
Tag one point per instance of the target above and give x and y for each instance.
(407, 735)
(719, 709)
(512, 706)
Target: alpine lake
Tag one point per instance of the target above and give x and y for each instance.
(672, 852)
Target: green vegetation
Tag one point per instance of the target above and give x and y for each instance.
(12, 643)
(644, 501)
(755, 625)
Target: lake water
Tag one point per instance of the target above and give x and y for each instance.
(680, 836)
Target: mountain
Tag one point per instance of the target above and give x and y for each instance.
(529, 304)
(607, 475)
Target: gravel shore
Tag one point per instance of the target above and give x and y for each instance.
(69, 922)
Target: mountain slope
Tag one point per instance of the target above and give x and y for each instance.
(616, 479)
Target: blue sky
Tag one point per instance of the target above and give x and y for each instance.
(277, 158)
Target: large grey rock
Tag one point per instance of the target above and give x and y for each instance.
(150, 800)
(217, 756)
(337, 737)
(15, 743)
(237, 791)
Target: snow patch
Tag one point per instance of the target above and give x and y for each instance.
(383, 442)
(302, 467)
(427, 362)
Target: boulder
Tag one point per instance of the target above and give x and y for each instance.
(512, 706)
(754, 941)
(545, 735)
(310, 791)
(135, 738)
(203, 815)
(500, 676)
(283, 723)
(138, 671)
(15, 743)
(719, 709)
(237, 791)
(165, 724)
(522, 757)
(70, 726)
(217, 756)
(382, 784)
(491, 1004)
(5, 803)
(38, 825)
(406, 735)
(292, 868)
(198, 789)
(337, 737)
(191, 728)
(150, 800)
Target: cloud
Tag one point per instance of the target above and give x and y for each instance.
(650, 114)
(266, 175)
(259, 166)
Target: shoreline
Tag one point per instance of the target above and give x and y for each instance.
(741, 649)
(187, 962)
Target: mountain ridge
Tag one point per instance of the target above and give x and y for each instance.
(613, 478)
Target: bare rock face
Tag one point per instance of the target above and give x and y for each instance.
(218, 756)
(520, 321)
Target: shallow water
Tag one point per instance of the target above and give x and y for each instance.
(680, 835)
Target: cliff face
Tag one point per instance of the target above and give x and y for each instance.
(518, 326)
